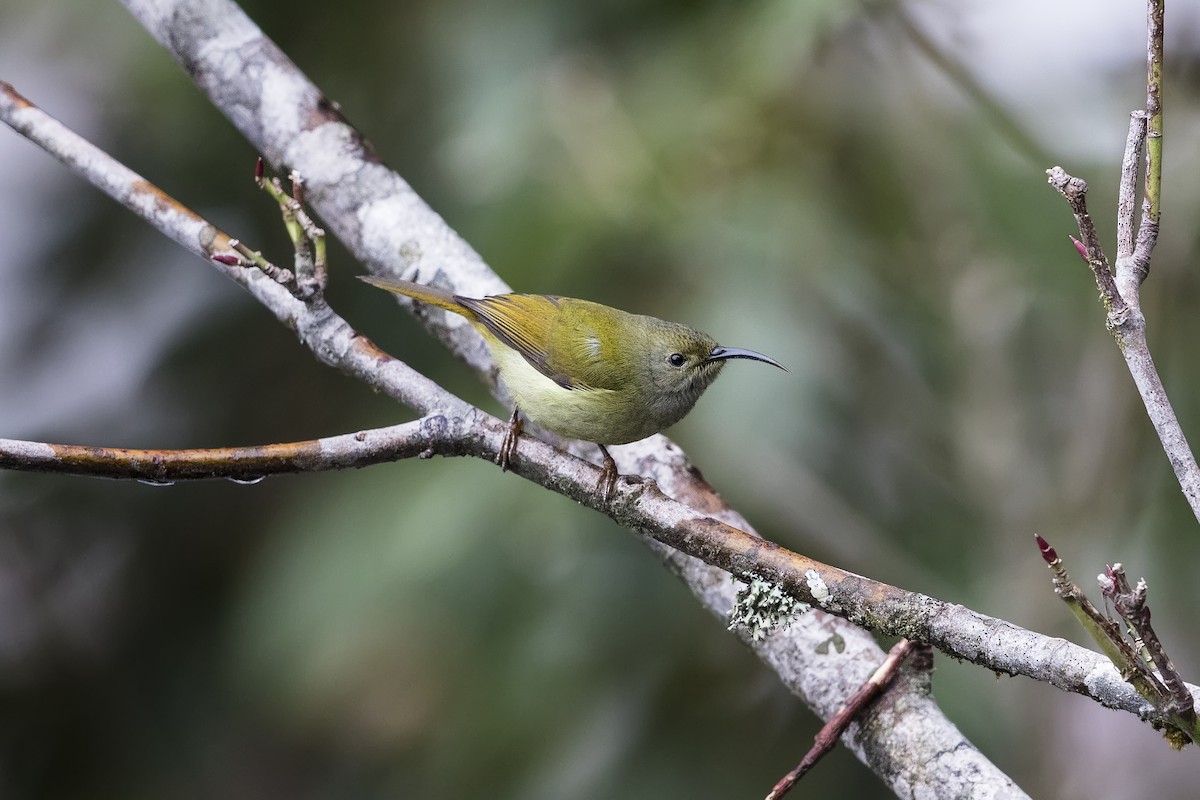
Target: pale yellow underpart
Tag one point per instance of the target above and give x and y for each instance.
(574, 413)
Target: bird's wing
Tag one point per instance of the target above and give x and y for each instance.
(591, 345)
(559, 336)
(523, 322)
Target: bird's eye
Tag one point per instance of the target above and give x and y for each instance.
(676, 359)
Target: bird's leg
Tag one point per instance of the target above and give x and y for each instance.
(508, 447)
(608, 475)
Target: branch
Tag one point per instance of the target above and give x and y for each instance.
(1166, 689)
(1120, 286)
(1074, 191)
(1154, 112)
(643, 507)
(1130, 604)
(238, 464)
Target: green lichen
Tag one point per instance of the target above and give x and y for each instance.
(762, 607)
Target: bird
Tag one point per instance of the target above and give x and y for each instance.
(584, 370)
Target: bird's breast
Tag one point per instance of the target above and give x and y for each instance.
(604, 416)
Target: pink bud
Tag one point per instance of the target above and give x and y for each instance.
(1080, 248)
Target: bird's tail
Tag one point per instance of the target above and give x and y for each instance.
(419, 291)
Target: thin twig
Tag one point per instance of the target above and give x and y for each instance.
(1127, 190)
(1166, 690)
(1103, 631)
(308, 240)
(1074, 190)
(1154, 108)
(829, 734)
(1120, 287)
(1131, 604)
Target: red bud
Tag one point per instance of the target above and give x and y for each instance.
(1048, 553)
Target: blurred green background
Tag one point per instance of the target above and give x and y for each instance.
(855, 188)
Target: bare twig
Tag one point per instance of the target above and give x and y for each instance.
(1127, 191)
(1130, 603)
(1103, 630)
(1164, 689)
(253, 259)
(238, 464)
(1074, 190)
(1154, 110)
(832, 730)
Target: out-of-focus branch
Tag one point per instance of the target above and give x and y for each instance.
(961, 75)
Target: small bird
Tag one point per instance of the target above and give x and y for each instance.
(585, 370)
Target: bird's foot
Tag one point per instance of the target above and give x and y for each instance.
(608, 477)
(508, 446)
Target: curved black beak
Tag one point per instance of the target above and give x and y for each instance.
(724, 353)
